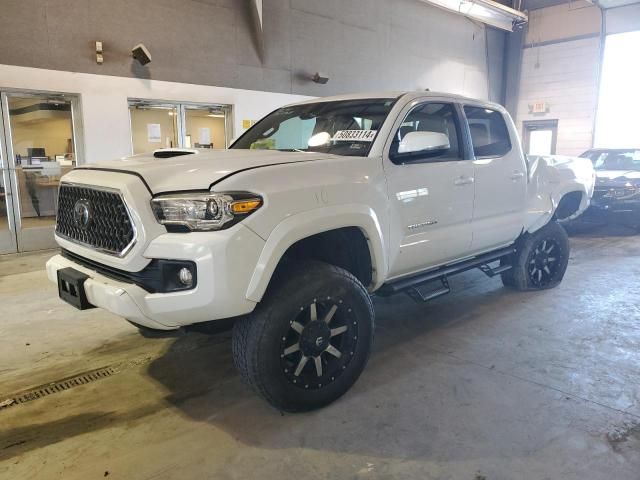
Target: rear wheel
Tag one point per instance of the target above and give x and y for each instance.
(540, 261)
(308, 340)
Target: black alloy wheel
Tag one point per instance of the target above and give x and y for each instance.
(543, 263)
(319, 343)
(540, 260)
(308, 340)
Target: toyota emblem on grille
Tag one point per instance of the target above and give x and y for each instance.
(82, 213)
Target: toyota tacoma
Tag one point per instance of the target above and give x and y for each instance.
(310, 212)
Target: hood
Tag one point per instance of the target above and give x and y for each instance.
(616, 177)
(201, 168)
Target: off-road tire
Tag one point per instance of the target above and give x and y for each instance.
(260, 339)
(540, 260)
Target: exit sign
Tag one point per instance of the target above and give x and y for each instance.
(539, 107)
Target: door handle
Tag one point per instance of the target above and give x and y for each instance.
(462, 180)
(516, 175)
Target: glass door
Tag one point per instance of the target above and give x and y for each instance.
(163, 124)
(153, 126)
(40, 148)
(205, 126)
(7, 226)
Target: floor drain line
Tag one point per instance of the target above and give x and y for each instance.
(68, 383)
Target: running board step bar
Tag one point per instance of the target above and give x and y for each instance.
(492, 272)
(411, 285)
(419, 296)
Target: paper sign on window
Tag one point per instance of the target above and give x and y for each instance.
(204, 136)
(153, 133)
(354, 135)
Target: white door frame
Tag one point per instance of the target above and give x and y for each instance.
(37, 238)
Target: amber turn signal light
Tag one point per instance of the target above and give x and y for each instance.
(245, 206)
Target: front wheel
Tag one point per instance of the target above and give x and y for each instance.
(309, 339)
(540, 261)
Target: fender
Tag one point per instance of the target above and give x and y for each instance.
(551, 178)
(305, 224)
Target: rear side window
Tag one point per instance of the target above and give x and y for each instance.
(489, 133)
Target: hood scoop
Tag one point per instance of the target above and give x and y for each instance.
(173, 152)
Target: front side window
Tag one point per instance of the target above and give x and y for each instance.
(346, 127)
(429, 132)
(489, 133)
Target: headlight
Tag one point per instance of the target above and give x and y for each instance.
(623, 193)
(204, 211)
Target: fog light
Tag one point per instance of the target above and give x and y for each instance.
(186, 277)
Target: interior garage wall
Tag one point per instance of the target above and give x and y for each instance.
(560, 66)
(360, 44)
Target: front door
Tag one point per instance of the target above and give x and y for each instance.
(431, 194)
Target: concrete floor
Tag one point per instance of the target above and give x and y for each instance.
(485, 383)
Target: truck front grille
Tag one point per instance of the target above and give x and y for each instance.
(612, 192)
(95, 217)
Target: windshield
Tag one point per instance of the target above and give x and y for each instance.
(614, 159)
(346, 127)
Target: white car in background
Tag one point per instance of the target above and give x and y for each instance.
(312, 210)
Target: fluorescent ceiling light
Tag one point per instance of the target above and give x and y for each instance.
(486, 11)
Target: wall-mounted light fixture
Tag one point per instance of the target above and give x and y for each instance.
(141, 54)
(320, 78)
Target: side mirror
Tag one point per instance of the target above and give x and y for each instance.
(427, 142)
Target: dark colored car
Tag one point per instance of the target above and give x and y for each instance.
(616, 197)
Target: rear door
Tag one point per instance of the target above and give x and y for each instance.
(430, 194)
(500, 178)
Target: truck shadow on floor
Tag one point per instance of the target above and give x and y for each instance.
(203, 384)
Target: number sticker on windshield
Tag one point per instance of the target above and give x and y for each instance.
(354, 135)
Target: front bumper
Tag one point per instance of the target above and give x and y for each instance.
(225, 261)
(625, 212)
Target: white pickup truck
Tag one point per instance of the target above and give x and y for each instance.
(312, 210)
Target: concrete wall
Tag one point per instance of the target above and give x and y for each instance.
(361, 44)
(560, 66)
